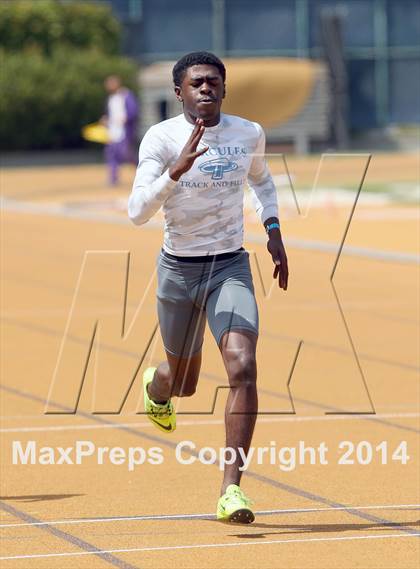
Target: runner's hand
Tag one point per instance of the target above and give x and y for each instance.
(278, 253)
(189, 152)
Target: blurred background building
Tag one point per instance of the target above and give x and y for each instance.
(317, 74)
(381, 43)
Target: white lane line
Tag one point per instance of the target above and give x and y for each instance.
(208, 422)
(61, 210)
(209, 516)
(209, 545)
(11, 417)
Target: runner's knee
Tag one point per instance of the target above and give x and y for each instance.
(184, 375)
(186, 384)
(186, 391)
(242, 370)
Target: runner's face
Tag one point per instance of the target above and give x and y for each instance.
(202, 91)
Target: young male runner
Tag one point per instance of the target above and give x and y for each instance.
(195, 166)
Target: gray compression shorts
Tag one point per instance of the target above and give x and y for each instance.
(191, 290)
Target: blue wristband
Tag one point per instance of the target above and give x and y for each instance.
(272, 226)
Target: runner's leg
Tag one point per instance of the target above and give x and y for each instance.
(238, 348)
(232, 314)
(182, 324)
(177, 376)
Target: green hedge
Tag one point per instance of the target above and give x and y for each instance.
(44, 25)
(45, 101)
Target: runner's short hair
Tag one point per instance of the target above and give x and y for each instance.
(196, 58)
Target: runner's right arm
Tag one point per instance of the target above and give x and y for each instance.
(152, 183)
(151, 187)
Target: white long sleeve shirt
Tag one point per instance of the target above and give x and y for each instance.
(204, 209)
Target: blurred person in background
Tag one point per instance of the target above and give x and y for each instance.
(120, 118)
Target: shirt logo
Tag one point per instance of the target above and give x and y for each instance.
(218, 167)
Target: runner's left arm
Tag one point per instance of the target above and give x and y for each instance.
(263, 191)
(264, 197)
